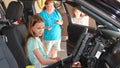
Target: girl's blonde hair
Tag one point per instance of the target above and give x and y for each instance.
(33, 20)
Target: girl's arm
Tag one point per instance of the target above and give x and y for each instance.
(43, 60)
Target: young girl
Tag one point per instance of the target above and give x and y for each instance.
(33, 45)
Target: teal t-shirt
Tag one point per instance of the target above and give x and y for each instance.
(32, 44)
(50, 20)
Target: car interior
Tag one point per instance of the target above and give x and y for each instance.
(95, 46)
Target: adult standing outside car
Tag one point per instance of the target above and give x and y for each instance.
(52, 34)
(80, 18)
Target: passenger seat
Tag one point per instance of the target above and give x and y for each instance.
(16, 33)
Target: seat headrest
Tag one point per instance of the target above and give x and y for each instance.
(14, 11)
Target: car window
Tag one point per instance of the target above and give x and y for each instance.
(84, 20)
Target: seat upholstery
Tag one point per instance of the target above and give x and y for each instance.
(7, 59)
(16, 43)
(16, 33)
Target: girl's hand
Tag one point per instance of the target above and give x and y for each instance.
(56, 58)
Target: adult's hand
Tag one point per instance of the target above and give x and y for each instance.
(60, 22)
(48, 28)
